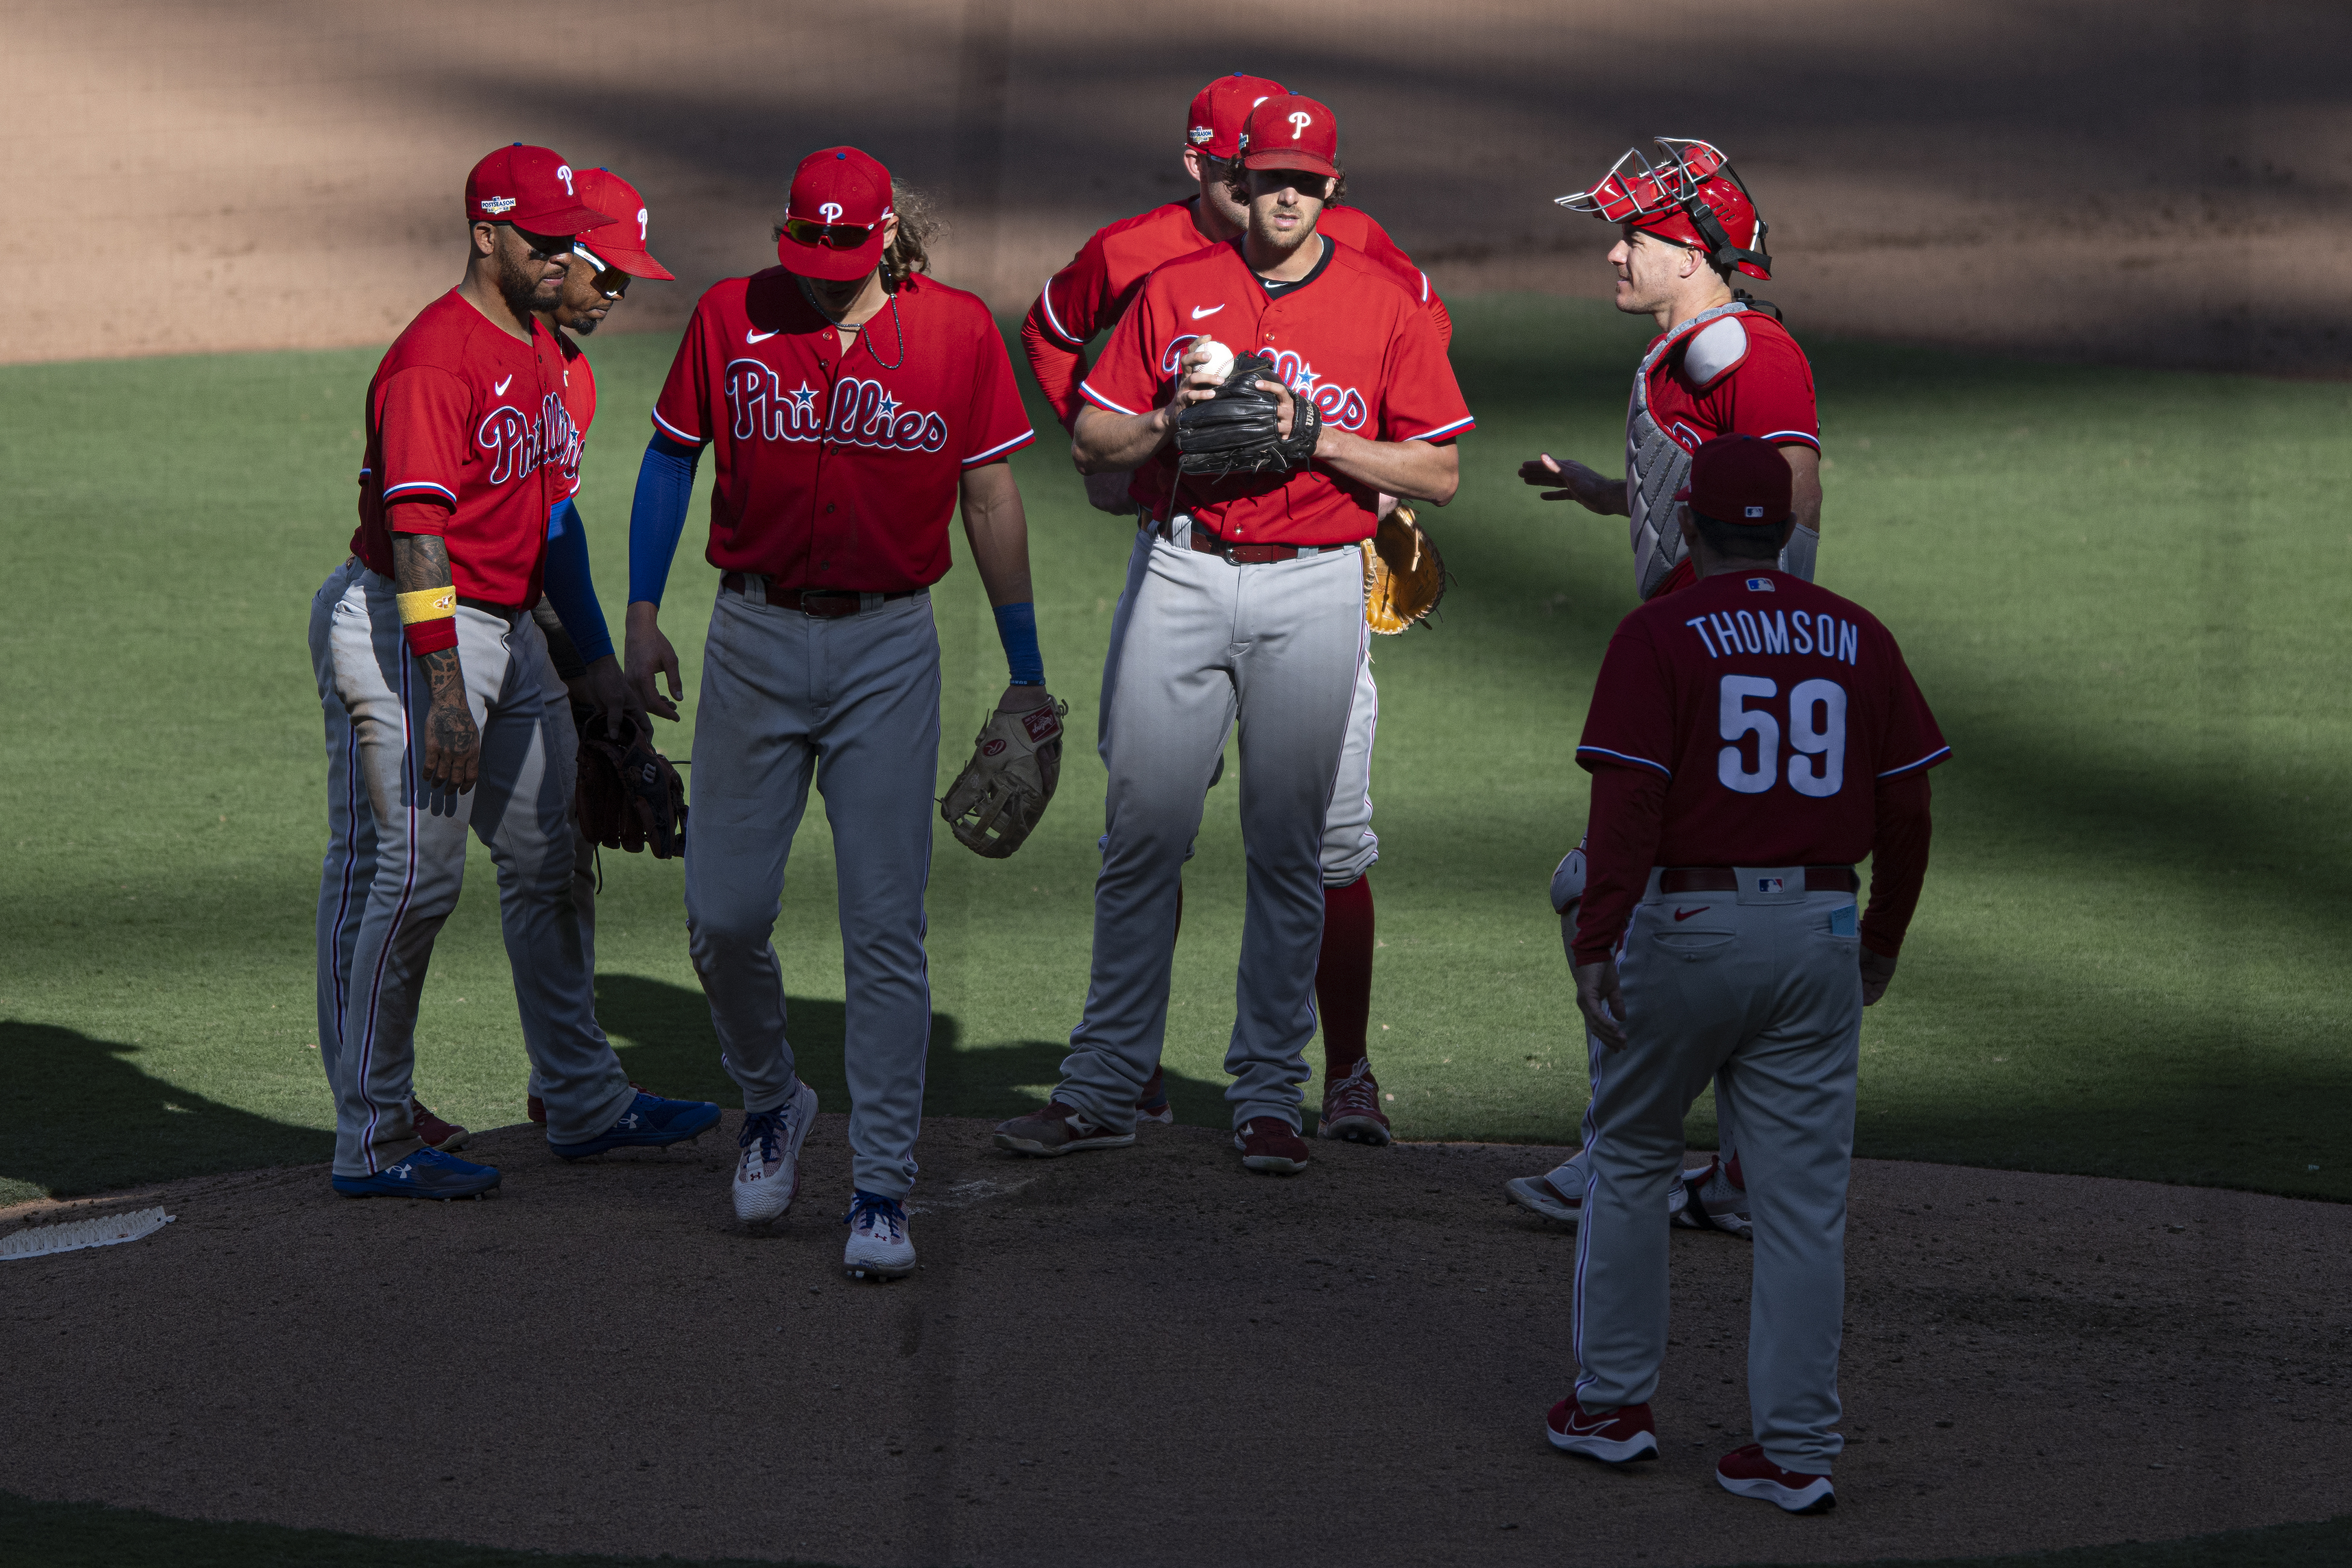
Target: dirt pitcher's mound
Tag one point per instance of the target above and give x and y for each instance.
(1151, 1356)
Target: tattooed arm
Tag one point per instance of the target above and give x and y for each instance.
(452, 747)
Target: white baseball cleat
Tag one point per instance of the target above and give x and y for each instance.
(768, 1174)
(878, 1248)
(1558, 1194)
(1711, 1201)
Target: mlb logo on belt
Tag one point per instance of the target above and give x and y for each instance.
(1771, 884)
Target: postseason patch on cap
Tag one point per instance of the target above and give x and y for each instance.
(1761, 585)
(497, 204)
(1199, 135)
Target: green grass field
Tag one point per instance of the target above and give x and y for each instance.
(2122, 591)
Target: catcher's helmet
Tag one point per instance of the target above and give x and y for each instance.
(1692, 196)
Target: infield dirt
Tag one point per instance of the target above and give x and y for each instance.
(1152, 1357)
(2154, 183)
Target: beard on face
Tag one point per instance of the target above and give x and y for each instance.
(518, 282)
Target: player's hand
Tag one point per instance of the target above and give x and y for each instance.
(1285, 410)
(1571, 480)
(609, 690)
(453, 746)
(649, 654)
(1877, 969)
(1192, 385)
(1602, 1003)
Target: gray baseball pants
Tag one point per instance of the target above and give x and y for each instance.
(1762, 990)
(396, 861)
(1349, 845)
(853, 704)
(1277, 648)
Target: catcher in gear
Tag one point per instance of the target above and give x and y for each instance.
(1016, 761)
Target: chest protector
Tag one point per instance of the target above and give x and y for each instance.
(1656, 467)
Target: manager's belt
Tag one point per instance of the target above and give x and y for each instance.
(825, 604)
(1724, 879)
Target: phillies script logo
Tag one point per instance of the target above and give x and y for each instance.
(1340, 406)
(515, 445)
(860, 413)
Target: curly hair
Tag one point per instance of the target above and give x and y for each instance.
(909, 250)
(1237, 181)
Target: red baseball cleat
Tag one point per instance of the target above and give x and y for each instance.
(1619, 1437)
(1351, 1107)
(446, 1136)
(1748, 1473)
(1272, 1146)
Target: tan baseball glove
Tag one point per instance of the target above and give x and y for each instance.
(1015, 762)
(1404, 576)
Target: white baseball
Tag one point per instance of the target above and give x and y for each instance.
(1219, 363)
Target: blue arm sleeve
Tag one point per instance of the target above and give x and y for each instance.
(657, 516)
(569, 586)
(1016, 628)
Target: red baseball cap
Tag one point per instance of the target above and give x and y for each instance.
(1740, 480)
(531, 188)
(1220, 110)
(622, 242)
(836, 189)
(1291, 132)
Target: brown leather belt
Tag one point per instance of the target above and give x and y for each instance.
(1724, 879)
(1248, 554)
(825, 604)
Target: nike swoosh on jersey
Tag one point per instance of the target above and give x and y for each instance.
(1199, 311)
(1682, 915)
(752, 337)
(500, 389)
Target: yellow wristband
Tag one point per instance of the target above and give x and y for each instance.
(427, 605)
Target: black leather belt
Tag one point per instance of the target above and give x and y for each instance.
(1724, 879)
(825, 604)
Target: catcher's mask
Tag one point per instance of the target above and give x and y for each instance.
(1692, 196)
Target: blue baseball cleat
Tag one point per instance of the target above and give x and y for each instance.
(427, 1174)
(650, 1122)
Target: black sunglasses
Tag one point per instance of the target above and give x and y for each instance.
(543, 247)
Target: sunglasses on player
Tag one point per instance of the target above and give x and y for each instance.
(610, 281)
(543, 247)
(832, 236)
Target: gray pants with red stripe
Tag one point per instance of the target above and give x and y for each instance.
(1762, 990)
(851, 704)
(396, 861)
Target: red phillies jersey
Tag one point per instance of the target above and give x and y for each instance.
(580, 403)
(1773, 707)
(839, 470)
(1096, 288)
(464, 416)
(1352, 340)
(1738, 375)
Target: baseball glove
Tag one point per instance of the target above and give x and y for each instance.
(1234, 432)
(1015, 762)
(629, 796)
(1404, 577)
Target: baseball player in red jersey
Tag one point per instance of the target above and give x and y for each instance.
(1722, 364)
(852, 403)
(1247, 606)
(1749, 740)
(443, 713)
(605, 260)
(1093, 292)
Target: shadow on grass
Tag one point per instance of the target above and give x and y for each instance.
(663, 1034)
(79, 1117)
